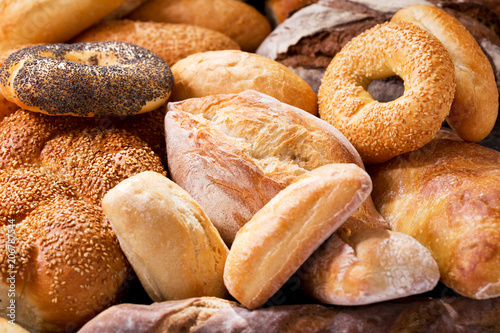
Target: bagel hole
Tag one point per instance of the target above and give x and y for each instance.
(387, 90)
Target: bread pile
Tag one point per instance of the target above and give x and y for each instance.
(288, 182)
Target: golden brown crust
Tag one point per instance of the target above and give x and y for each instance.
(48, 21)
(86, 79)
(380, 131)
(232, 71)
(173, 247)
(279, 10)
(475, 105)
(245, 148)
(68, 261)
(447, 196)
(238, 20)
(270, 247)
(171, 41)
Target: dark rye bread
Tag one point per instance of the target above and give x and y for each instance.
(308, 39)
(444, 315)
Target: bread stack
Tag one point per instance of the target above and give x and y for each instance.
(246, 201)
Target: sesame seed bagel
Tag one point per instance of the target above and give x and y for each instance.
(475, 107)
(380, 131)
(86, 79)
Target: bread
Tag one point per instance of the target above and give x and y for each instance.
(48, 21)
(233, 153)
(233, 71)
(238, 20)
(10, 326)
(475, 106)
(54, 172)
(447, 196)
(279, 238)
(421, 314)
(173, 247)
(170, 41)
(278, 10)
(368, 266)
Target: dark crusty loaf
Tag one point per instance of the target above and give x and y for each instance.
(446, 315)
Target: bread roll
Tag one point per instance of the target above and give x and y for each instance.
(232, 71)
(233, 153)
(173, 247)
(240, 21)
(270, 247)
(171, 42)
(419, 314)
(447, 196)
(48, 21)
(54, 172)
(368, 266)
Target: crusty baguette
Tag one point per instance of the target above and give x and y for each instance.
(278, 239)
(169, 241)
(447, 196)
(233, 153)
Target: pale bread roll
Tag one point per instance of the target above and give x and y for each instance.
(238, 20)
(174, 249)
(270, 247)
(233, 71)
(369, 266)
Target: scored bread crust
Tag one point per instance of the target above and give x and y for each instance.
(475, 106)
(173, 247)
(171, 41)
(270, 247)
(233, 153)
(447, 196)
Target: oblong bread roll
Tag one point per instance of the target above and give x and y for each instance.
(169, 241)
(49, 21)
(374, 265)
(286, 231)
(232, 72)
(238, 20)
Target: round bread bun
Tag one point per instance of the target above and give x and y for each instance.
(171, 41)
(380, 131)
(54, 172)
(49, 21)
(86, 79)
(240, 21)
(475, 107)
(233, 71)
